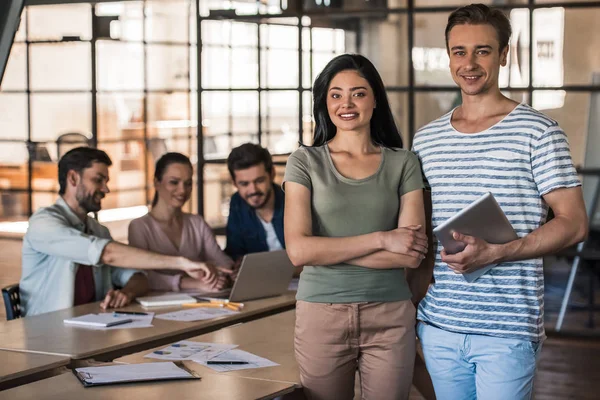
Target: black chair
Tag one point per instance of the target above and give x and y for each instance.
(12, 301)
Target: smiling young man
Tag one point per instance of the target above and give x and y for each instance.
(481, 340)
(70, 259)
(255, 222)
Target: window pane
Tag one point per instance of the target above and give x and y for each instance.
(168, 67)
(120, 115)
(430, 59)
(399, 106)
(576, 114)
(168, 115)
(307, 118)
(387, 48)
(279, 68)
(13, 166)
(244, 112)
(167, 21)
(215, 112)
(127, 171)
(13, 116)
(432, 105)
(45, 173)
(13, 206)
(217, 192)
(56, 21)
(566, 42)
(278, 37)
(216, 32)
(243, 34)
(55, 114)
(216, 67)
(129, 26)
(245, 68)
(306, 70)
(20, 36)
(194, 67)
(127, 198)
(120, 66)
(516, 72)
(61, 66)
(319, 62)
(42, 199)
(15, 74)
(280, 121)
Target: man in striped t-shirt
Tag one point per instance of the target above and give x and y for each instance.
(481, 340)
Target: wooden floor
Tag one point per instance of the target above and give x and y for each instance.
(568, 369)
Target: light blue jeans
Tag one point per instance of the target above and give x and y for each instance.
(465, 367)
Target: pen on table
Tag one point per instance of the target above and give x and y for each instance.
(228, 362)
(129, 313)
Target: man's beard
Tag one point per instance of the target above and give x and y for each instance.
(87, 201)
(267, 197)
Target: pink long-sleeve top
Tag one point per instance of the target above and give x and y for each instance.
(198, 243)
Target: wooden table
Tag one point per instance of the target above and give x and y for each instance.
(20, 368)
(218, 387)
(47, 334)
(271, 337)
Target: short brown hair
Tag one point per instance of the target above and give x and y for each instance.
(480, 14)
(248, 155)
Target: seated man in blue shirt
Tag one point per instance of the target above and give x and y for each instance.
(255, 221)
(70, 259)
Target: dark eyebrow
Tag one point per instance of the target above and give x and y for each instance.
(102, 176)
(351, 89)
(477, 47)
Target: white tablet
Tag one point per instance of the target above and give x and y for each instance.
(483, 219)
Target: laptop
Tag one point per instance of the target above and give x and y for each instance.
(483, 219)
(264, 274)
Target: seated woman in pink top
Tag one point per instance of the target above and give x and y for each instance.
(166, 229)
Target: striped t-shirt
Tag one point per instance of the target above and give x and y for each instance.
(518, 160)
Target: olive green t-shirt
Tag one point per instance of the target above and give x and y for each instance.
(343, 207)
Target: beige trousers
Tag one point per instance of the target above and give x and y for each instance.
(332, 341)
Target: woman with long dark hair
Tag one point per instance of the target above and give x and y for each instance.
(354, 217)
(166, 229)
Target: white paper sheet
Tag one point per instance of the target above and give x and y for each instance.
(139, 321)
(196, 314)
(98, 321)
(132, 372)
(253, 360)
(188, 350)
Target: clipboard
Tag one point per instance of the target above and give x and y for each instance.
(132, 373)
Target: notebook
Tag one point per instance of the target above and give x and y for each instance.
(111, 374)
(164, 300)
(103, 320)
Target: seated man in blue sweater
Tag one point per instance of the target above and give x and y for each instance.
(255, 221)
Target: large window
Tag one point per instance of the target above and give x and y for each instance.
(113, 75)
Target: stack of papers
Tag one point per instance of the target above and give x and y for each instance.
(188, 350)
(196, 314)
